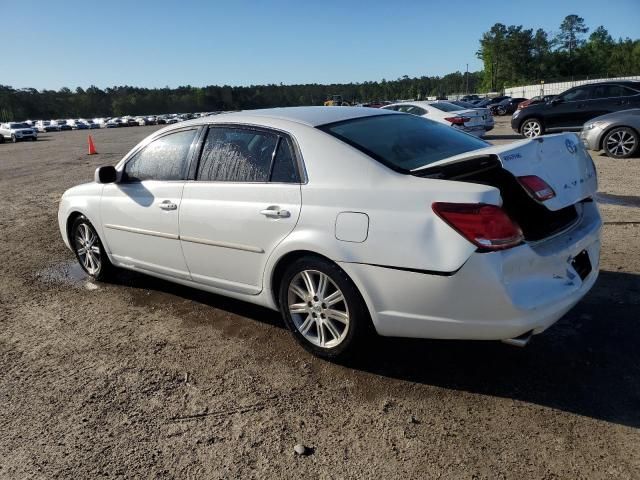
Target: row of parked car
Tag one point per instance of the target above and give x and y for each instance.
(607, 115)
(29, 129)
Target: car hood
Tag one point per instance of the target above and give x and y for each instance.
(560, 160)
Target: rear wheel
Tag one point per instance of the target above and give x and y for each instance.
(323, 308)
(14, 138)
(532, 128)
(620, 142)
(89, 250)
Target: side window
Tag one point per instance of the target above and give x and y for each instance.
(417, 111)
(284, 165)
(163, 159)
(580, 93)
(236, 155)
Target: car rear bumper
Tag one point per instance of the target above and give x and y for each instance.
(494, 296)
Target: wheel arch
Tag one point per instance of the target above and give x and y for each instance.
(530, 117)
(281, 264)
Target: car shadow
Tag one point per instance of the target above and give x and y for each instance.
(587, 364)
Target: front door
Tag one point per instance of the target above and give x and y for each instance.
(245, 200)
(140, 212)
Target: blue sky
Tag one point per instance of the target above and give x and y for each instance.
(170, 43)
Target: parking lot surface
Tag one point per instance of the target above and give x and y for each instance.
(143, 378)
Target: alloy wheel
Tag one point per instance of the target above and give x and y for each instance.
(88, 248)
(621, 143)
(531, 128)
(318, 309)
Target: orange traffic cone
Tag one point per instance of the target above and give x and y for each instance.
(92, 147)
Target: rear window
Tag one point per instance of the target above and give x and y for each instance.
(446, 107)
(403, 142)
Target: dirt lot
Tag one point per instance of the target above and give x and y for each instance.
(142, 378)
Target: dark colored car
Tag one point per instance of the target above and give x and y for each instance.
(571, 109)
(468, 98)
(507, 106)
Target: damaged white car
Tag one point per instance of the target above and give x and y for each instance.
(349, 218)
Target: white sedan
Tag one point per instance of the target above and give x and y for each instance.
(470, 121)
(346, 218)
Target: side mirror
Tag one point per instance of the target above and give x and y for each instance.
(106, 174)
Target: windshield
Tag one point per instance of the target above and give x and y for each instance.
(403, 142)
(446, 107)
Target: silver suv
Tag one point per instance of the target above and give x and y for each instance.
(17, 131)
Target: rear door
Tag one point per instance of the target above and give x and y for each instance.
(244, 201)
(140, 213)
(611, 98)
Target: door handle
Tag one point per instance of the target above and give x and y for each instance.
(168, 205)
(275, 212)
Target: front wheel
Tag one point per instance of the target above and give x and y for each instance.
(532, 128)
(323, 308)
(89, 250)
(620, 142)
(33, 139)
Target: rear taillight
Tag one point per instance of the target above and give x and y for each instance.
(486, 226)
(537, 187)
(457, 120)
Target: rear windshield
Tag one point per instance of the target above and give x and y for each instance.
(446, 107)
(403, 142)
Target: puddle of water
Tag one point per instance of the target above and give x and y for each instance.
(69, 273)
(619, 200)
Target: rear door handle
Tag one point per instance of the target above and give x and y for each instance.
(168, 205)
(275, 212)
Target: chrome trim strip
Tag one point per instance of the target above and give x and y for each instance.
(203, 241)
(235, 246)
(142, 231)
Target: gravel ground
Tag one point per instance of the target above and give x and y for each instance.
(141, 378)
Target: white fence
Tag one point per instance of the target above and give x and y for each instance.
(529, 91)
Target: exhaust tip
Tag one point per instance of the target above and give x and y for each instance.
(520, 341)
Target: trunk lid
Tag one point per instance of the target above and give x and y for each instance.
(475, 118)
(560, 160)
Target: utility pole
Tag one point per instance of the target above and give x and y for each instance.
(467, 74)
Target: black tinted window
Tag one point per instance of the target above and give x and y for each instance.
(163, 159)
(284, 167)
(236, 155)
(403, 142)
(612, 91)
(580, 93)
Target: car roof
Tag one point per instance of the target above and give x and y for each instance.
(311, 116)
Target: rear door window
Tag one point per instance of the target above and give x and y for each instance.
(163, 159)
(231, 154)
(284, 164)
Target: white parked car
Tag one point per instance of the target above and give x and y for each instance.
(46, 126)
(468, 120)
(344, 218)
(15, 132)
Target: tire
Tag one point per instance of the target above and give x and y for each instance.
(96, 263)
(1, 138)
(14, 139)
(33, 139)
(501, 111)
(330, 322)
(531, 128)
(621, 142)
